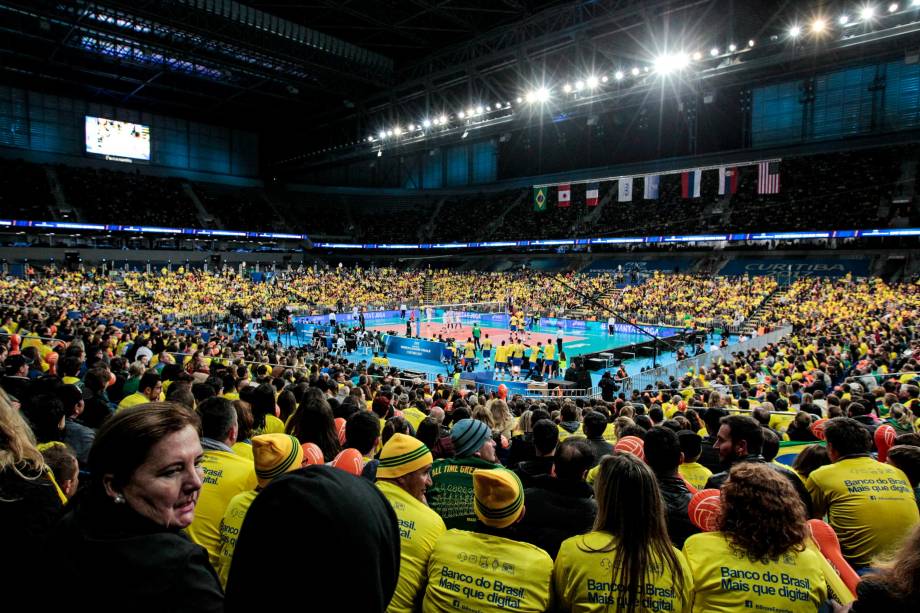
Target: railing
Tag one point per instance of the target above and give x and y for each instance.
(697, 363)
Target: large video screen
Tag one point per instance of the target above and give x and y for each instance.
(119, 139)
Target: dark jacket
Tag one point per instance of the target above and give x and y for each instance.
(718, 479)
(556, 509)
(29, 508)
(873, 595)
(710, 455)
(80, 438)
(100, 547)
(531, 469)
(869, 423)
(521, 449)
(15, 387)
(677, 497)
(601, 448)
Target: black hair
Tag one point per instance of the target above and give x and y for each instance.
(662, 450)
(847, 436)
(545, 436)
(361, 431)
(744, 428)
(217, 418)
(574, 456)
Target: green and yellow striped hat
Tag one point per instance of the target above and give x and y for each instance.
(402, 455)
(274, 455)
(499, 497)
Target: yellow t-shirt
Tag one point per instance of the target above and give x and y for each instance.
(243, 449)
(501, 354)
(695, 473)
(469, 350)
(780, 423)
(583, 580)
(133, 400)
(230, 526)
(468, 571)
(486, 344)
(225, 475)
(414, 417)
(869, 505)
(726, 581)
(549, 352)
(419, 531)
(273, 425)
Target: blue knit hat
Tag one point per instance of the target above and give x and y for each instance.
(468, 435)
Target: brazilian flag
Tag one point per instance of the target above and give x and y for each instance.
(539, 198)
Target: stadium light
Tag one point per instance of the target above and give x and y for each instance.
(382, 134)
(635, 71)
(818, 26)
(579, 85)
(893, 7)
(427, 123)
(389, 132)
(592, 82)
(867, 13)
(697, 56)
(794, 31)
(732, 47)
(845, 19)
(714, 51)
(397, 131)
(751, 43)
(666, 64)
(479, 110)
(520, 100)
(618, 75)
(410, 127)
(443, 119)
(567, 88)
(915, 3)
(604, 79)
(542, 94)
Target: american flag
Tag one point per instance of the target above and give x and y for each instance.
(768, 178)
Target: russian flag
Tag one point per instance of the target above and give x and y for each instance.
(690, 183)
(728, 180)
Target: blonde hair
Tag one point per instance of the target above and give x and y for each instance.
(17, 442)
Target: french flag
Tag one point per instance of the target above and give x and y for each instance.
(728, 180)
(591, 193)
(690, 183)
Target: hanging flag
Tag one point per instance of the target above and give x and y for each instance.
(539, 198)
(651, 187)
(690, 183)
(728, 180)
(591, 193)
(565, 194)
(768, 178)
(625, 189)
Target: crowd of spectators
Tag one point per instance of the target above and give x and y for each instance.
(127, 198)
(162, 462)
(24, 191)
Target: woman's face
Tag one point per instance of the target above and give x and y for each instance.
(164, 489)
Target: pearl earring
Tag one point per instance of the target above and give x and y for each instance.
(119, 499)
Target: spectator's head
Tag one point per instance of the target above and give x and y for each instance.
(134, 447)
(362, 431)
(712, 418)
(691, 445)
(907, 458)
(762, 515)
(63, 464)
(218, 420)
(472, 437)
(594, 425)
(810, 459)
(150, 386)
(406, 462)
(498, 497)
(770, 448)
(739, 436)
(846, 437)
(662, 451)
(275, 454)
(573, 458)
(545, 437)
